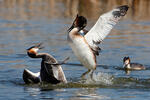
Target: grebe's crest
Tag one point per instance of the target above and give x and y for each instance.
(80, 22)
(126, 60)
(34, 49)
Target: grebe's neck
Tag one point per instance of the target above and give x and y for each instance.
(73, 34)
(44, 56)
(75, 31)
(128, 66)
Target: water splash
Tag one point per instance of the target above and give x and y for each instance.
(100, 78)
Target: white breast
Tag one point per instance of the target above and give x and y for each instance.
(83, 52)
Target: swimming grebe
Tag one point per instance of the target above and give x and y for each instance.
(51, 70)
(132, 66)
(86, 47)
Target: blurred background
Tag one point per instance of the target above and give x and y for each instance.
(26, 22)
(29, 9)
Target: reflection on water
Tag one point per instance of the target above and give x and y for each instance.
(32, 91)
(88, 94)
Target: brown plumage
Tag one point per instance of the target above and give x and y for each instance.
(132, 66)
(50, 71)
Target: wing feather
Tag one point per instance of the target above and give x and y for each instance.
(103, 26)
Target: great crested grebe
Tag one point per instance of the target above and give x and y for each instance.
(132, 66)
(86, 47)
(51, 70)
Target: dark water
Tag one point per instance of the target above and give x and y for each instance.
(23, 23)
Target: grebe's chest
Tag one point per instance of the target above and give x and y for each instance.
(78, 43)
(83, 52)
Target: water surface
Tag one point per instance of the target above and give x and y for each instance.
(24, 23)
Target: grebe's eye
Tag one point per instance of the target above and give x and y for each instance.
(33, 50)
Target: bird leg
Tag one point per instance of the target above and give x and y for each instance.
(83, 75)
(91, 75)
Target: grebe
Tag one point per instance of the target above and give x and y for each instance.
(51, 70)
(132, 66)
(86, 47)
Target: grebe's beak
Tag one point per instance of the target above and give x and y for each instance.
(70, 28)
(37, 46)
(79, 22)
(74, 24)
(41, 47)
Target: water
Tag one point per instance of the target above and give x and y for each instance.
(22, 24)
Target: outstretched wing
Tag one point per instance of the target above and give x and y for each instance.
(30, 77)
(103, 27)
(53, 70)
(59, 63)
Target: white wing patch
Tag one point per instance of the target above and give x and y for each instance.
(101, 29)
(33, 74)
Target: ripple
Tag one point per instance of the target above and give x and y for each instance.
(108, 81)
(100, 78)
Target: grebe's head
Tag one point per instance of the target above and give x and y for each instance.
(126, 60)
(32, 51)
(80, 22)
